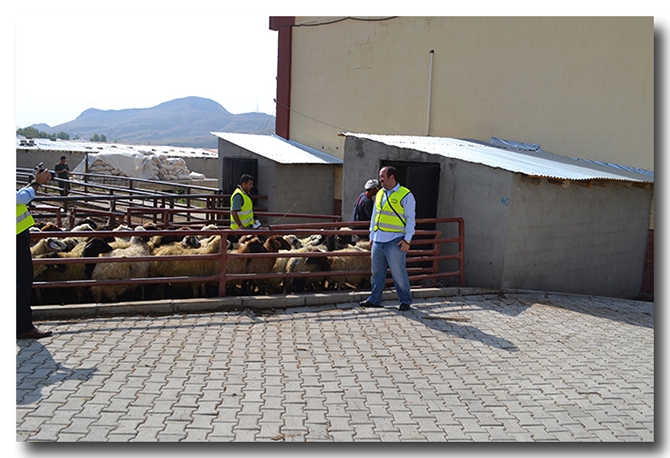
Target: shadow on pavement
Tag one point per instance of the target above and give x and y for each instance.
(36, 369)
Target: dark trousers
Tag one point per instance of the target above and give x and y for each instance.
(64, 186)
(24, 283)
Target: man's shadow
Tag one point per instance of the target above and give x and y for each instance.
(36, 369)
(453, 325)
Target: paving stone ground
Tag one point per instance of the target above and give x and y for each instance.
(508, 367)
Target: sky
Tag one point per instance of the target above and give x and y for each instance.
(66, 65)
(72, 55)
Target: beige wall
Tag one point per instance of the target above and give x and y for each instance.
(579, 87)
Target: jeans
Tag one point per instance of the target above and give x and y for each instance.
(388, 255)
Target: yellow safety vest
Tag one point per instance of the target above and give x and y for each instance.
(386, 219)
(246, 214)
(24, 220)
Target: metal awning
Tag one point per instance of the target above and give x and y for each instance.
(526, 159)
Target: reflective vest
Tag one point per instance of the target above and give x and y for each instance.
(386, 219)
(24, 220)
(246, 214)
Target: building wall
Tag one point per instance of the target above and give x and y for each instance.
(577, 239)
(30, 158)
(578, 86)
(303, 188)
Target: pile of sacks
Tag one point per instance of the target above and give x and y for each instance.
(169, 168)
(155, 166)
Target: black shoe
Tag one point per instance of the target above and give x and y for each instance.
(403, 307)
(34, 333)
(367, 303)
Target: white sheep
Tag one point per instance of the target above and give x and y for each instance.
(337, 262)
(120, 270)
(193, 268)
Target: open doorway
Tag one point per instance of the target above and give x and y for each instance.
(423, 179)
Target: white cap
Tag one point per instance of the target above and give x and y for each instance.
(371, 184)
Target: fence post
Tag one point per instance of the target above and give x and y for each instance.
(223, 263)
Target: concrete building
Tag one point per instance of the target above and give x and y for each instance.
(533, 220)
(582, 87)
(579, 86)
(295, 178)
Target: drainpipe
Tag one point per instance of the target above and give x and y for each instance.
(430, 90)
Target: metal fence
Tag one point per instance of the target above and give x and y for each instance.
(423, 259)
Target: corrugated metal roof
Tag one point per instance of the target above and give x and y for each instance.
(528, 159)
(278, 149)
(45, 144)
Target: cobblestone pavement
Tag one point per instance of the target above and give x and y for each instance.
(519, 367)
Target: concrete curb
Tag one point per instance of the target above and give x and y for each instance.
(220, 304)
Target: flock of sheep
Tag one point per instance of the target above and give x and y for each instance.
(294, 262)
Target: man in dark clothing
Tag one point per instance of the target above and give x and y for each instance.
(62, 171)
(24, 262)
(363, 206)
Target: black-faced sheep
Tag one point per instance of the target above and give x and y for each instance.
(73, 272)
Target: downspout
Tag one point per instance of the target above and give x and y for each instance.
(284, 25)
(430, 90)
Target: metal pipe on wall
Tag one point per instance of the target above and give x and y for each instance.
(430, 90)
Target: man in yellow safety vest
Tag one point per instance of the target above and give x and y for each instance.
(24, 261)
(241, 205)
(391, 231)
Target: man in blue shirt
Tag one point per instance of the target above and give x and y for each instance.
(24, 261)
(391, 232)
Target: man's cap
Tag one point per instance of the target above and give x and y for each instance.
(371, 184)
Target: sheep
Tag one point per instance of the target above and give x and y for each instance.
(338, 263)
(120, 270)
(186, 240)
(273, 244)
(72, 272)
(293, 240)
(88, 221)
(48, 245)
(50, 227)
(247, 265)
(304, 264)
(193, 268)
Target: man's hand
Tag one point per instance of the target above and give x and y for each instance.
(43, 176)
(404, 245)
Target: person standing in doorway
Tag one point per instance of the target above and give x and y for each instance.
(391, 232)
(24, 261)
(62, 171)
(241, 205)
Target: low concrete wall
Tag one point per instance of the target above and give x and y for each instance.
(208, 166)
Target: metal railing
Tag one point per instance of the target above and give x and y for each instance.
(423, 259)
(92, 194)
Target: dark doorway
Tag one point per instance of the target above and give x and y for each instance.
(423, 179)
(236, 168)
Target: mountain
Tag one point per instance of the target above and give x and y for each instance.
(181, 122)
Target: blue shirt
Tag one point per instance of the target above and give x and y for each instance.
(409, 204)
(25, 195)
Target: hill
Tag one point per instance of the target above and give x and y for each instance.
(181, 122)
